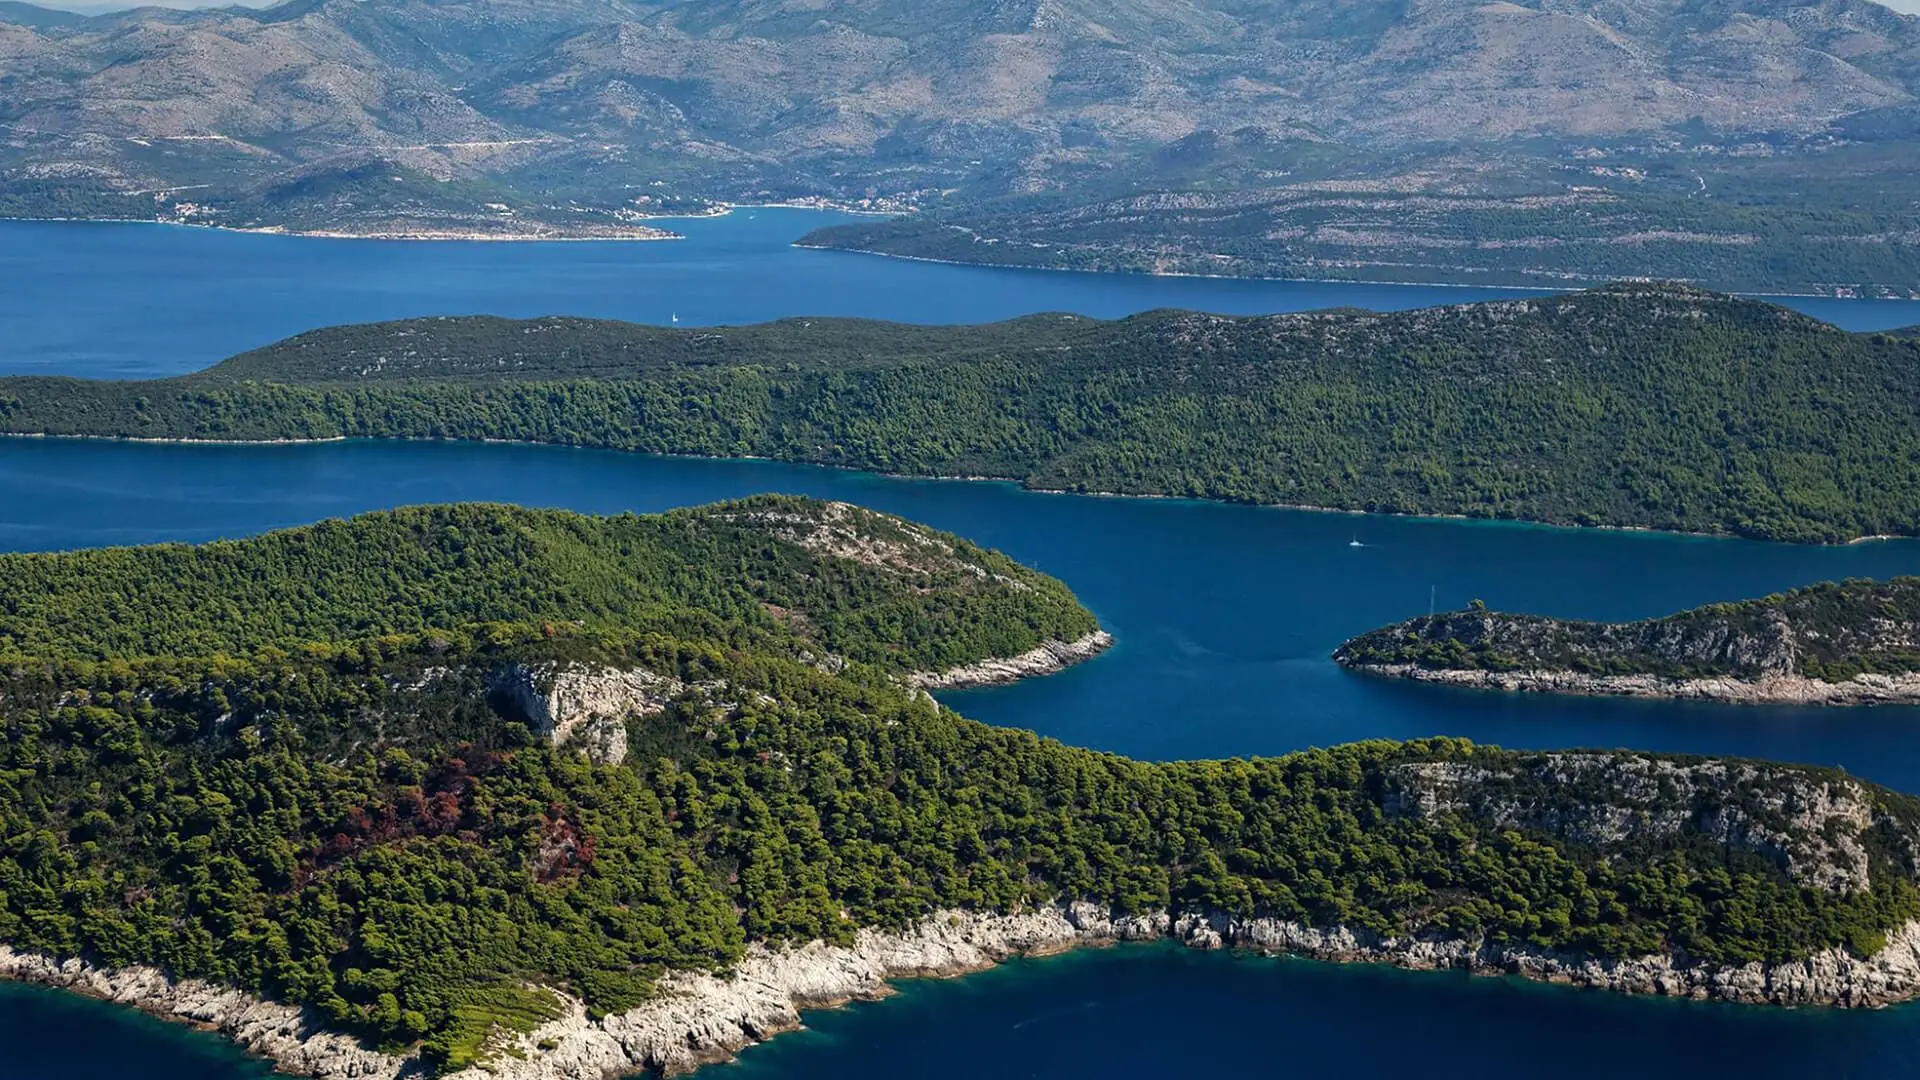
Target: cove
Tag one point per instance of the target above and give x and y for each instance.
(124, 300)
(1225, 615)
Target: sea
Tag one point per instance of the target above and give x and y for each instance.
(1224, 615)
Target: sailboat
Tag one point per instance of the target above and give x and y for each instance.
(675, 317)
(1355, 542)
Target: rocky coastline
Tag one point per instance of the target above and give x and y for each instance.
(1773, 689)
(700, 1018)
(291, 1038)
(1043, 659)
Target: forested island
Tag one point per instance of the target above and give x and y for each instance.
(1650, 406)
(1844, 643)
(482, 788)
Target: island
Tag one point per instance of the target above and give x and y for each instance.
(1854, 642)
(1638, 405)
(488, 791)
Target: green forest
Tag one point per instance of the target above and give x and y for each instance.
(744, 572)
(276, 763)
(1831, 631)
(1650, 406)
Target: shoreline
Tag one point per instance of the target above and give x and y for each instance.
(1525, 523)
(433, 237)
(1861, 690)
(168, 440)
(700, 1018)
(289, 1037)
(424, 236)
(1591, 282)
(1046, 658)
(725, 209)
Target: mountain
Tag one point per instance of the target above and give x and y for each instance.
(605, 109)
(1852, 642)
(34, 17)
(1639, 405)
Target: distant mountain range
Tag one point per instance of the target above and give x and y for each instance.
(576, 115)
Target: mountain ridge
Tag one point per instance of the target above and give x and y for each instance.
(572, 115)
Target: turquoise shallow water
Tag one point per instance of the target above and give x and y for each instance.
(1225, 617)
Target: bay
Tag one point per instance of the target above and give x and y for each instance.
(1225, 616)
(126, 300)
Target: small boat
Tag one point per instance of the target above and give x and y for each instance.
(675, 317)
(1355, 542)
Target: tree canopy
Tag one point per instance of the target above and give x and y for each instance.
(1636, 405)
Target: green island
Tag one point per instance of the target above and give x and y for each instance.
(1850, 642)
(1635, 405)
(481, 787)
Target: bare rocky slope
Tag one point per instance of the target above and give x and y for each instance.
(1855, 642)
(511, 117)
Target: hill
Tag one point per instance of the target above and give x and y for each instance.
(858, 585)
(638, 818)
(35, 17)
(1847, 643)
(1636, 405)
(1764, 125)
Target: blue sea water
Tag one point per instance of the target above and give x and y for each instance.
(1225, 616)
(110, 299)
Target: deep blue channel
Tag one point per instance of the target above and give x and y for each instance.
(1225, 616)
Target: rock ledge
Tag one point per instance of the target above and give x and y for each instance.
(1044, 659)
(1866, 689)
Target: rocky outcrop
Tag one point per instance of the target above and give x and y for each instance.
(1831, 977)
(1809, 824)
(1044, 659)
(699, 1018)
(582, 705)
(290, 1038)
(1854, 642)
(1865, 689)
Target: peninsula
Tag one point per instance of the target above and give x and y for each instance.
(476, 788)
(1847, 643)
(1636, 405)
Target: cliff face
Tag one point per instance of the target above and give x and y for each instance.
(1814, 827)
(1856, 642)
(582, 705)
